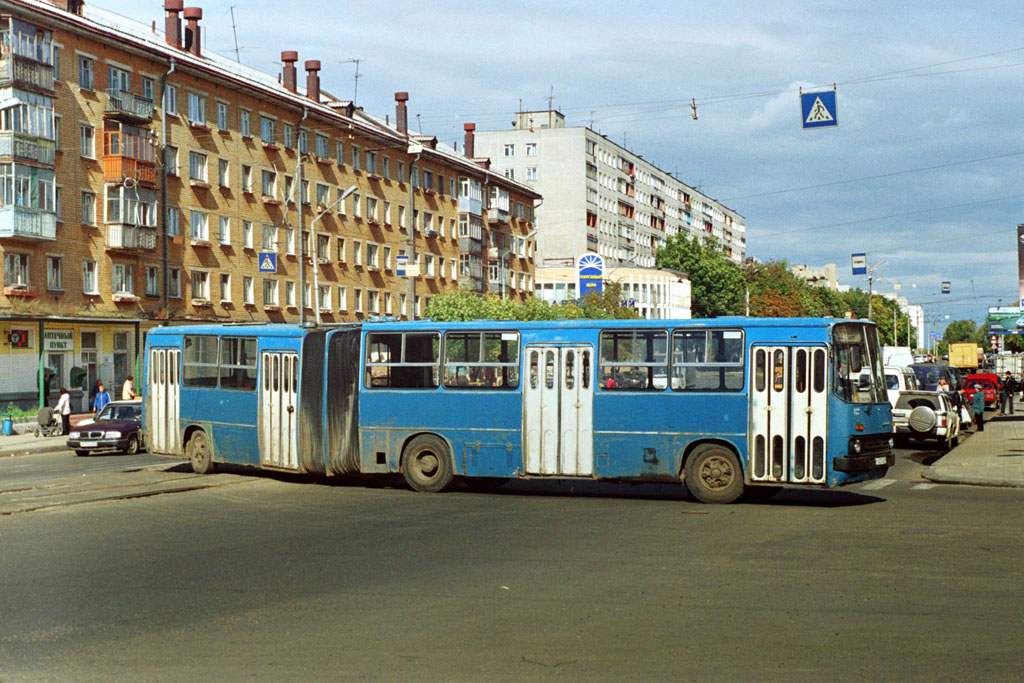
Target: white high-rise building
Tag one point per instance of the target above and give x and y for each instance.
(600, 197)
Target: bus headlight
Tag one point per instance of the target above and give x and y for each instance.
(856, 447)
(113, 435)
(892, 443)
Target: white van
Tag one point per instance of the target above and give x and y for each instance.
(899, 379)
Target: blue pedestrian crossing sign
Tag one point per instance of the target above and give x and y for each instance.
(268, 262)
(819, 109)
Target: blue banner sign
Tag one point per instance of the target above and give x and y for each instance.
(860, 264)
(819, 109)
(268, 262)
(590, 271)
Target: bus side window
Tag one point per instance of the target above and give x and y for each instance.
(534, 368)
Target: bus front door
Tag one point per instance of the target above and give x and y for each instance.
(788, 420)
(558, 423)
(279, 445)
(163, 399)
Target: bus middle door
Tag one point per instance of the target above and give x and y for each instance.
(279, 444)
(558, 415)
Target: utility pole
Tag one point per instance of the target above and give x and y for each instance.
(302, 239)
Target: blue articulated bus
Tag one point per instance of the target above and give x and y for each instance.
(727, 405)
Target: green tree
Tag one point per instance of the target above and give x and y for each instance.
(466, 305)
(717, 284)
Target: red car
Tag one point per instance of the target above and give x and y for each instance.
(988, 387)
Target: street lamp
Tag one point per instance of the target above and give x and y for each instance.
(316, 257)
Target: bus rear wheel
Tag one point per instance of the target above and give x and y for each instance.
(199, 454)
(714, 475)
(427, 465)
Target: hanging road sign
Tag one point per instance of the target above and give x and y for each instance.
(946, 287)
(268, 262)
(401, 261)
(860, 264)
(819, 109)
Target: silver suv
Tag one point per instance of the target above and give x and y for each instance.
(927, 415)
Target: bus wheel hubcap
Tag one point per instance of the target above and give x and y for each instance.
(428, 465)
(716, 473)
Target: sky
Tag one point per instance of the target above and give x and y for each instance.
(924, 173)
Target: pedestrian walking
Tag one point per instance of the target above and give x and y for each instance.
(64, 410)
(128, 390)
(101, 400)
(1006, 394)
(978, 407)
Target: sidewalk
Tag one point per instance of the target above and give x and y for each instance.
(24, 442)
(994, 457)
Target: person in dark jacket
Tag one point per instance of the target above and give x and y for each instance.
(1006, 394)
(978, 407)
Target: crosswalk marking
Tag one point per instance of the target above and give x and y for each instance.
(878, 484)
(923, 487)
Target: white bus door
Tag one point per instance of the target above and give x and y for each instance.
(162, 411)
(788, 419)
(558, 420)
(279, 443)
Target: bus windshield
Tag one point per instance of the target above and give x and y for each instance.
(857, 363)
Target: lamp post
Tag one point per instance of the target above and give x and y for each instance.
(316, 258)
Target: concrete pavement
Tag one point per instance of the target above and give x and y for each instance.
(993, 457)
(24, 442)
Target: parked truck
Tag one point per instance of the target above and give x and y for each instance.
(964, 355)
(1010, 362)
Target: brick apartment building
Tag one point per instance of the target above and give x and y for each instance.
(101, 238)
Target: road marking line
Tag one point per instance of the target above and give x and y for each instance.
(878, 484)
(923, 486)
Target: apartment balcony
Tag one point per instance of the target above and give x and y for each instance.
(470, 244)
(26, 223)
(23, 147)
(128, 106)
(130, 237)
(497, 215)
(118, 169)
(22, 72)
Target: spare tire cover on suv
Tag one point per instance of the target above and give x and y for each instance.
(922, 419)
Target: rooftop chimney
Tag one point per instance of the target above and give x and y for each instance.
(468, 148)
(73, 6)
(193, 42)
(313, 79)
(289, 57)
(172, 23)
(401, 113)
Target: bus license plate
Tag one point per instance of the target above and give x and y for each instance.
(881, 460)
(89, 444)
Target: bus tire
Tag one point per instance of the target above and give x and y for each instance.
(199, 454)
(714, 475)
(427, 464)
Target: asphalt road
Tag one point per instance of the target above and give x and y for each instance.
(272, 577)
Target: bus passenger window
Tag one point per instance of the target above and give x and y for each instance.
(570, 361)
(534, 372)
(549, 369)
(586, 370)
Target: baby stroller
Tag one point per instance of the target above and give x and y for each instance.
(49, 425)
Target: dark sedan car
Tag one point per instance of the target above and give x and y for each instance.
(117, 428)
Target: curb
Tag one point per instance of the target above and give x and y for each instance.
(973, 479)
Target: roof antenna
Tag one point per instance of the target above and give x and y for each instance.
(355, 61)
(233, 31)
(693, 105)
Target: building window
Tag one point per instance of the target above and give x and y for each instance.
(174, 283)
(171, 99)
(372, 299)
(371, 162)
(267, 131)
(289, 133)
(245, 123)
(87, 137)
(200, 285)
(224, 231)
(371, 208)
(510, 173)
(268, 182)
(339, 152)
(270, 292)
(88, 208)
(385, 168)
(371, 255)
(323, 297)
(58, 203)
(198, 227)
(123, 278)
(289, 241)
(197, 166)
(303, 141)
(341, 298)
(225, 287)
(173, 221)
(357, 300)
(55, 273)
(248, 295)
(90, 277)
(321, 147)
(531, 172)
(269, 239)
(247, 179)
(197, 108)
(323, 195)
(223, 169)
(222, 115)
(289, 293)
(16, 270)
(428, 265)
(357, 252)
(85, 73)
(531, 149)
(152, 286)
(172, 159)
(356, 152)
(323, 246)
(510, 150)
(247, 234)
(341, 249)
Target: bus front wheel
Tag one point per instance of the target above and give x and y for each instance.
(714, 475)
(199, 454)
(427, 465)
